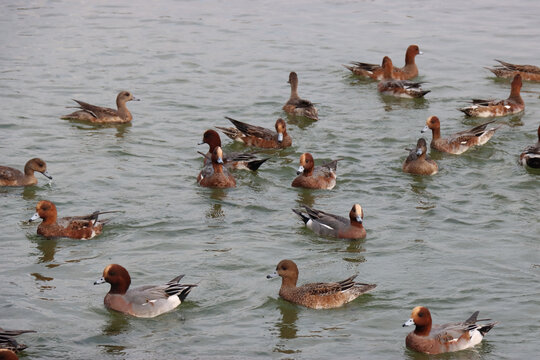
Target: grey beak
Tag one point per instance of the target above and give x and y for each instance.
(359, 219)
(46, 174)
(101, 280)
(272, 275)
(34, 217)
(220, 161)
(426, 128)
(300, 170)
(419, 151)
(408, 322)
(279, 137)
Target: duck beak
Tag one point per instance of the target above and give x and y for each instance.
(420, 53)
(300, 170)
(359, 219)
(201, 143)
(135, 99)
(220, 161)
(409, 322)
(34, 217)
(426, 128)
(272, 275)
(46, 174)
(279, 137)
(101, 280)
(419, 151)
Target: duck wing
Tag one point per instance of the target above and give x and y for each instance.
(253, 130)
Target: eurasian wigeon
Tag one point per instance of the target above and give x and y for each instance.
(75, 227)
(508, 71)
(103, 115)
(297, 106)
(143, 301)
(437, 339)
(232, 160)
(315, 177)
(214, 174)
(461, 141)
(531, 154)
(13, 177)
(398, 88)
(316, 295)
(7, 339)
(6, 354)
(327, 224)
(492, 108)
(418, 162)
(376, 72)
(258, 136)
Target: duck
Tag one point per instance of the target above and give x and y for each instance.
(75, 227)
(461, 141)
(6, 354)
(437, 339)
(13, 177)
(315, 177)
(508, 71)
(398, 88)
(494, 108)
(144, 301)
(258, 136)
(8, 342)
(418, 162)
(297, 106)
(327, 224)
(316, 295)
(531, 154)
(103, 115)
(232, 160)
(214, 174)
(376, 72)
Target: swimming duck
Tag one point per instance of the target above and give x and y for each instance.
(232, 160)
(315, 177)
(143, 301)
(461, 141)
(8, 342)
(418, 163)
(508, 71)
(102, 115)
(531, 154)
(327, 224)
(316, 295)
(75, 227)
(297, 106)
(398, 88)
(492, 108)
(214, 174)
(376, 72)
(437, 339)
(13, 177)
(252, 135)
(6, 354)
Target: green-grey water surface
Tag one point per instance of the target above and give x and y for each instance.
(465, 239)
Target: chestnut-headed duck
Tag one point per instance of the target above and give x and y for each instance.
(376, 72)
(8, 342)
(492, 108)
(75, 227)
(297, 106)
(258, 136)
(214, 174)
(437, 339)
(232, 160)
(508, 71)
(531, 154)
(103, 115)
(418, 162)
(13, 177)
(143, 301)
(316, 295)
(327, 224)
(6, 354)
(315, 177)
(461, 141)
(398, 88)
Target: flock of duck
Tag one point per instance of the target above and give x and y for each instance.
(152, 300)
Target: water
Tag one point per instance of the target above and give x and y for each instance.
(463, 240)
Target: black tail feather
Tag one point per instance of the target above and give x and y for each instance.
(255, 164)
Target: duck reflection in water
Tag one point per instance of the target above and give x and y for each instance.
(289, 314)
(48, 250)
(117, 324)
(215, 212)
(305, 197)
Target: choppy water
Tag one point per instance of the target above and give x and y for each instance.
(466, 239)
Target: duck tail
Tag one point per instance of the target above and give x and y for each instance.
(185, 292)
(484, 329)
(255, 164)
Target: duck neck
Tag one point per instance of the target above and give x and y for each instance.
(294, 90)
(28, 171)
(50, 218)
(119, 288)
(422, 330)
(288, 282)
(123, 110)
(436, 133)
(218, 168)
(516, 95)
(308, 171)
